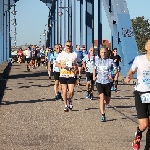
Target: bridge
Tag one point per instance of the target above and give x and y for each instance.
(30, 117)
(118, 17)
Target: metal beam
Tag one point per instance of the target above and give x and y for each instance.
(89, 24)
(99, 24)
(81, 23)
(74, 25)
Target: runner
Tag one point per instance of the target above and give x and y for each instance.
(141, 64)
(80, 55)
(20, 55)
(42, 52)
(34, 58)
(116, 58)
(103, 69)
(46, 57)
(28, 58)
(88, 62)
(67, 62)
(49, 62)
(56, 70)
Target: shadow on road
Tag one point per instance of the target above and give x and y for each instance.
(26, 102)
(3, 80)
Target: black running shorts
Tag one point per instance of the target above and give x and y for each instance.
(56, 75)
(143, 109)
(34, 58)
(89, 77)
(71, 80)
(104, 88)
(28, 60)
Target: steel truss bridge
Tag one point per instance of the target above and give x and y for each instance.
(118, 17)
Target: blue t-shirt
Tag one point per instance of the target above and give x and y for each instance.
(53, 60)
(80, 54)
(49, 56)
(42, 53)
(89, 60)
(104, 70)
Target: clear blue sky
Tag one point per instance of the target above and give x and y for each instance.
(32, 17)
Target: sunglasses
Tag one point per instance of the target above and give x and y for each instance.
(68, 45)
(115, 51)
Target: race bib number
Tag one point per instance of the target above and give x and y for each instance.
(145, 98)
(69, 64)
(102, 69)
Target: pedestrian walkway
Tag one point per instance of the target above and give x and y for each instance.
(32, 120)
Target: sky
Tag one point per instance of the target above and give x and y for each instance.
(32, 18)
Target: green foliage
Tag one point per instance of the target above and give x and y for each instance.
(142, 31)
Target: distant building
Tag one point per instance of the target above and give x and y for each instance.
(105, 43)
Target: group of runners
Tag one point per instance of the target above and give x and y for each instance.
(103, 71)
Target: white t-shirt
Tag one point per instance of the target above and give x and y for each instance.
(68, 59)
(142, 65)
(28, 53)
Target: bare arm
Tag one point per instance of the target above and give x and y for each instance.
(94, 73)
(84, 65)
(130, 73)
(129, 76)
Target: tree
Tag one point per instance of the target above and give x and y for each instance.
(142, 31)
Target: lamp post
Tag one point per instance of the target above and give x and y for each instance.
(69, 21)
(14, 24)
(44, 34)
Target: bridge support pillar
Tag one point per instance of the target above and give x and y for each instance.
(89, 23)
(74, 25)
(81, 23)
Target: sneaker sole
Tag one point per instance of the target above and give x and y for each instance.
(132, 143)
(103, 121)
(134, 148)
(71, 108)
(66, 110)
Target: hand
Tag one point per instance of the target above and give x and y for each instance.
(110, 77)
(127, 80)
(115, 60)
(63, 66)
(74, 68)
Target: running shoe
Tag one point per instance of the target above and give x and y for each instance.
(87, 95)
(57, 97)
(91, 97)
(136, 142)
(112, 89)
(103, 118)
(70, 104)
(66, 109)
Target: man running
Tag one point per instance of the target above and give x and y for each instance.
(34, 58)
(141, 64)
(67, 62)
(49, 62)
(103, 70)
(88, 62)
(42, 55)
(80, 55)
(116, 58)
(56, 70)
